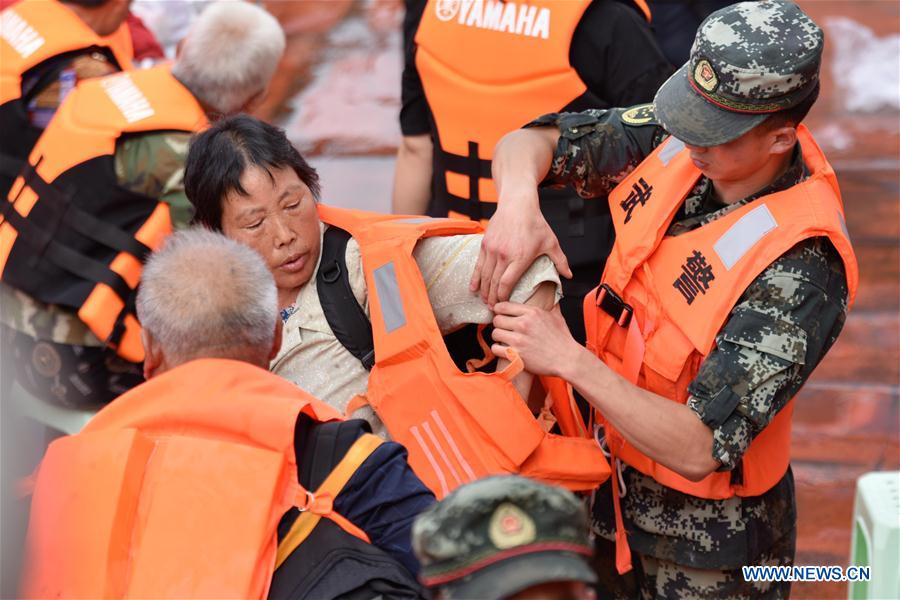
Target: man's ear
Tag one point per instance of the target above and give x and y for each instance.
(276, 342)
(153, 358)
(783, 139)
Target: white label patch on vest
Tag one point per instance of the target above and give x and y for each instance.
(497, 15)
(19, 34)
(127, 97)
(744, 234)
(673, 147)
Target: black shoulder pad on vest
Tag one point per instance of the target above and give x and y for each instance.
(345, 316)
(321, 446)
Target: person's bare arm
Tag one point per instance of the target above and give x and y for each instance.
(412, 175)
(543, 298)
(668, 432)
(517, 234)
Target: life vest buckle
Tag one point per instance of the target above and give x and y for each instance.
(613, 305)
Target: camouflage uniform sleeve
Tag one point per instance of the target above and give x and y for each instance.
(598, 148)
(778, 332)
(153, 164)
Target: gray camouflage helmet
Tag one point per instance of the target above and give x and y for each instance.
(749, 60)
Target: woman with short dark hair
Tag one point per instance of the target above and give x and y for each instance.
(246, 180)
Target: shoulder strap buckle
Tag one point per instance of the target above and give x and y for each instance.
(613, 305)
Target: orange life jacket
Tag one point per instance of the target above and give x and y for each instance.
(175, 489)
(475, 99)
(71, 235)
(32, 34)
(457, 426)
(664, 298)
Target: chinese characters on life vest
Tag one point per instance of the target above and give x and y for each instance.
(696, 275)
(640, 193)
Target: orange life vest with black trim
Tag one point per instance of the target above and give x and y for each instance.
(457, 426)
(71, 235)
(475, 100)
(32, 34)
(664, 298)
(176, 489)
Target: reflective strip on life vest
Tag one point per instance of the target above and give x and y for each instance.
(389, 292)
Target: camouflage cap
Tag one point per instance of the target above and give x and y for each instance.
(748, 61)
(500, 535)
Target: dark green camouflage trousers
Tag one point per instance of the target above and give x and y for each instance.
(653, 578)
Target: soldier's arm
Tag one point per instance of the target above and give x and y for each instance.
(153, 164)
(592, 151)
(775, 336)
(668, 432)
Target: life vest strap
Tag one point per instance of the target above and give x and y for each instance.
(623, 550)
(80, 220)
(10, 165)
(64, 257)
(314, 509)
(356, 403)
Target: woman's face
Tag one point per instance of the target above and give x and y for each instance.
(278, 219)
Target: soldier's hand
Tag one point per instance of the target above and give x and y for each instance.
(515, 237)
(540, 337)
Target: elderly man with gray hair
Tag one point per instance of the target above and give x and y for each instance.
(204, 296)
(232, 471)
(112, 162)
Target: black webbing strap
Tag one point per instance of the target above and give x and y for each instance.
(64, 257)
(10, 165)
(73, 217)
(474, 209)
(474, 168)
(574, 209)
(345, 316)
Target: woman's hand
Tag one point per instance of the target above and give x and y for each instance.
(540, 337)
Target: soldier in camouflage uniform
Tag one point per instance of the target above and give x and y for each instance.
(776, 334)
(505, 537)
(48, 350)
